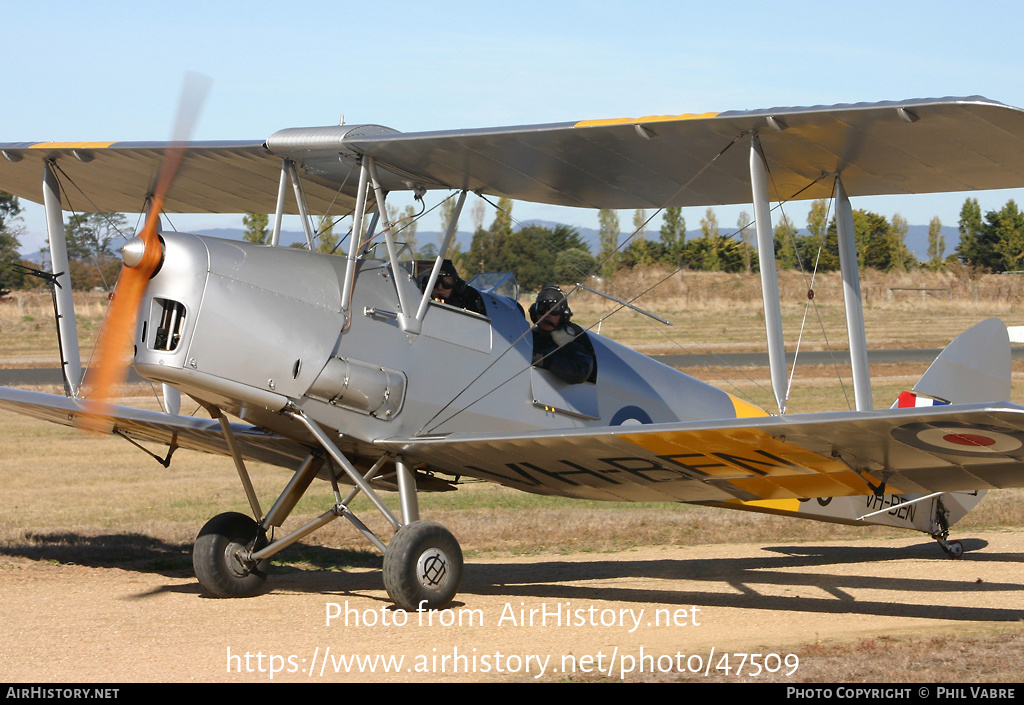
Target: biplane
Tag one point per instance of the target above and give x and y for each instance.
(342, 369)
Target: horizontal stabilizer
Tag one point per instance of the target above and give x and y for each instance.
(974, 367)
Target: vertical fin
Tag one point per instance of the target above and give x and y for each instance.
(975, 367)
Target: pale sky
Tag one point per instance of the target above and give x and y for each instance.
(112, 70)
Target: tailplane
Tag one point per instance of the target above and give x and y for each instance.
(973, 368)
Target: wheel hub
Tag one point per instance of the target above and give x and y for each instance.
(238, 561)
(432, 569)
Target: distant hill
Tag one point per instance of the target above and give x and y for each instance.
(917, 240)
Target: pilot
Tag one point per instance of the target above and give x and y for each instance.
(450, 289)
(559, 345)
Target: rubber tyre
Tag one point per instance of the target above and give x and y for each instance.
(422, 566)
(214, 556)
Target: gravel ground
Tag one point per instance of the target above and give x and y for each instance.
(592, 614)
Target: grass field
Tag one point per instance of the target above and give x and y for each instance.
(77, 498)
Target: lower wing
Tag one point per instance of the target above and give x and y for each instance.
(167, 429)
(897, 451)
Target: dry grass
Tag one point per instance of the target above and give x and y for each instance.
(992, 656)
(28, 331)
(723, 312)
(709, 310)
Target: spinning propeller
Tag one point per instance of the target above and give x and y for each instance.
(142, 256)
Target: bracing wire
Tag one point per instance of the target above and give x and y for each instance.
(597, 267)
(66, 196)
(809, 282)
(812, 302)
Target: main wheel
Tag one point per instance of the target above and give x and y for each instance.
(422, 566)
(218, 556)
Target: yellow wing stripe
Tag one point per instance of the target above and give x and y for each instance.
(756, 463)
(70, 145)
(745, 410)
(649, 118)
(789, 506)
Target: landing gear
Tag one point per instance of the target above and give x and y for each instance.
(940, 531)
(422, 566)
(221, 556)
(953, 549)
(422, 563)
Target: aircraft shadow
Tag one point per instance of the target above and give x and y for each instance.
(753, 579)
(316, 569)
(130, 551)
(146, 554)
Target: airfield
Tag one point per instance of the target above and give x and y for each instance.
(680, 607)
(96, 578)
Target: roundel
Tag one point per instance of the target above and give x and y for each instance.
(630, 416)
(955, 438)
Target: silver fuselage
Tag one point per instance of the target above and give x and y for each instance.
(253, 329)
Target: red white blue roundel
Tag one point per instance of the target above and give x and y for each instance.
(955, 438)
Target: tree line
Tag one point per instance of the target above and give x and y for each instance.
(539, 255)
(993, 243)
(92, 242)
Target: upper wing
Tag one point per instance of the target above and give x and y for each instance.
(940, 449)
(917, 146)
(178, 431)
(117, 177)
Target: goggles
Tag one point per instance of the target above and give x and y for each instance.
(551, 308)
